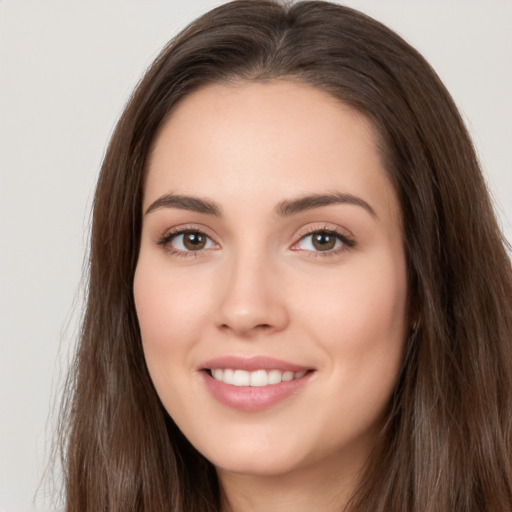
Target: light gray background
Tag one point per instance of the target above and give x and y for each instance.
(66, 70)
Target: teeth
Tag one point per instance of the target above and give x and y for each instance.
(217, 374)
(287, 376)
(274, 376)
(228, 377)
(256, 378)
(259, 378)
(241, 378)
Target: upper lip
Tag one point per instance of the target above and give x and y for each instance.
(251, 364)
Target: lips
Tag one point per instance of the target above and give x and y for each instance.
(253, 384)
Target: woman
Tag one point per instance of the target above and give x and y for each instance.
(299, 296)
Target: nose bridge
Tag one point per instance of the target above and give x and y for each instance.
(250, 298)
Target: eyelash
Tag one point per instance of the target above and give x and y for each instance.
(346, 242)
(169, 236)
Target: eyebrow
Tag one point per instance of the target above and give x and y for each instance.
(284, 208)
(291, 207)
(194, 204)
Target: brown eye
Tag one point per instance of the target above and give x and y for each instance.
(189, 241)
(323, 241)
(194, 241)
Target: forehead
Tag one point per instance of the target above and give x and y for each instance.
(267, 140)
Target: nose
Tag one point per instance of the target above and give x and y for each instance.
(252, 298)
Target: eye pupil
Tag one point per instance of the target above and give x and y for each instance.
(194, 241)
(323, 241)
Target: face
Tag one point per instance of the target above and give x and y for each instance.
(271, 283)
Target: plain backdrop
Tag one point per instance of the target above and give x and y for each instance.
(66, 70)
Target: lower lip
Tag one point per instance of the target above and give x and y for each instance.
(253, 398)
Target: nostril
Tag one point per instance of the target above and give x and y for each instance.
(245, 329)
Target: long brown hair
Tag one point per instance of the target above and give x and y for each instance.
(447, 444)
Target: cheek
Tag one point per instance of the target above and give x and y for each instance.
(364, 298)
(360, 326)
(169, 305)
(360, 320)
(171, 310)
(168, 311)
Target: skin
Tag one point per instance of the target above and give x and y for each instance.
(261, 288)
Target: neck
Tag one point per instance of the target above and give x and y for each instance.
(328, 489)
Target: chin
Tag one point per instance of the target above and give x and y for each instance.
(248, 457)
(266, 466)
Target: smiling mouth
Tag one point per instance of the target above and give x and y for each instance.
(257, 378)
(252, 384)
